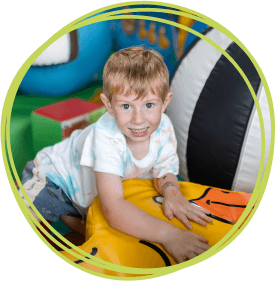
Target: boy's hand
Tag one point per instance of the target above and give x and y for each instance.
(174, 204)
(184, 245)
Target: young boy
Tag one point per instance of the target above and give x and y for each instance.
(134, 139)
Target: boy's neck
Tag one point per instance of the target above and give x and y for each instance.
(138, 149)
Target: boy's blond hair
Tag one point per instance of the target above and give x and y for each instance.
(137, 70)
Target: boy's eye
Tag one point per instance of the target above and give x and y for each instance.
(149, 105)
(126, 106)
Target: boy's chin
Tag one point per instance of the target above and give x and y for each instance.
(133, 139)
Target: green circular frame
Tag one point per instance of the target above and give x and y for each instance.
(104, 14)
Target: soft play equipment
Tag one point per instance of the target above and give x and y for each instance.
(197, 26)
(186, 38)
(151, 34)
(114, 246)
(61, 119)
(215, 118)
(168, 40)
(20, 127)
(70, 63)
(182, 35)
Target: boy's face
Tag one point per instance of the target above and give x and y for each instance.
(137, 118)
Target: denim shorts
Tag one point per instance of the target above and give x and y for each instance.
(49, 199)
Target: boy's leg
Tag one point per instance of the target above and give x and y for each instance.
(75, 224)
(50, 200)
(32, 184)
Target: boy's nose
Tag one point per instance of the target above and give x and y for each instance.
(138, 117)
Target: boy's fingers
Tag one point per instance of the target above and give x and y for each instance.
(198, 213)
(168, 212)
(191, 255)
(198, 208)
(203, 243)
(205, 211)
(182, 259)
(194, 217)
(170, 216)
(182, 217)
(204, 246)
(204, 217)
(199, 221)
(178, 257)
(208, 219)
(201, 238)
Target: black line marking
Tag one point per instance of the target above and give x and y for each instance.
(214, 202)
(215, 217)
(158, 250)
(93, 253)
(219, 203)
(220, 219)
(202, 196)
(224, 204)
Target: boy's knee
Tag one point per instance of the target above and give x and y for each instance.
(75, 224)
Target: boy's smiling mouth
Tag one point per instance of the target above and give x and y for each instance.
(139, 132)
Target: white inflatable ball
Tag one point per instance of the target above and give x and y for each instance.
(215, 118)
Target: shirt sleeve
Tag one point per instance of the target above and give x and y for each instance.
(102, 153)
(167, 158)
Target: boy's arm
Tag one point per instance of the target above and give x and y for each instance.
(129, 219)
(174, 204)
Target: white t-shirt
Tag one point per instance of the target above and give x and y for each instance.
(102, 147)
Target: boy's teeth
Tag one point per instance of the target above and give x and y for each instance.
(139, 131)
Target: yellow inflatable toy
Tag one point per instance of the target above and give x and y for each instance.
(114, 246)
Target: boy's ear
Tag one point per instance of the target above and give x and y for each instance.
(167, 100)
(107, 103)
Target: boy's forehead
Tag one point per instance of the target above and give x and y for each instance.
(133, 96)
